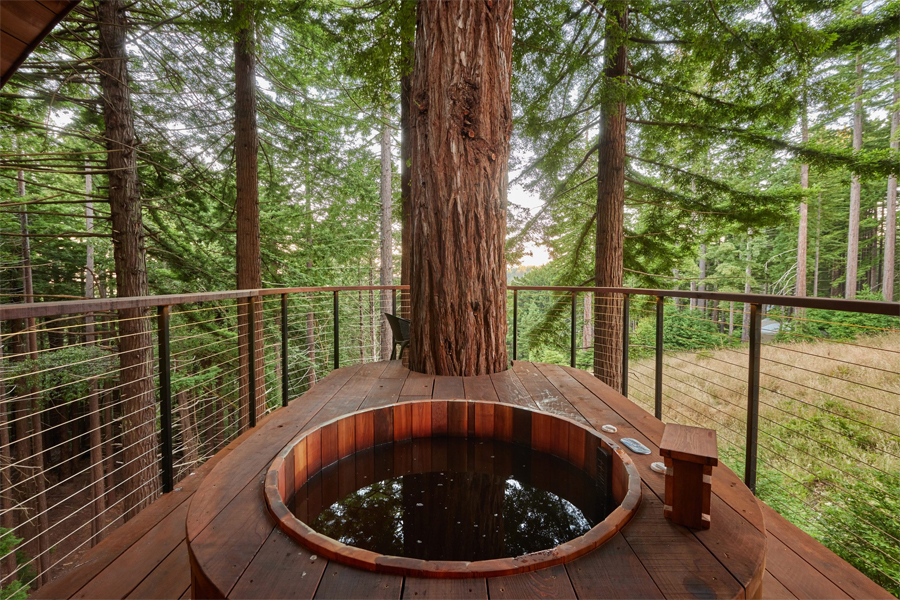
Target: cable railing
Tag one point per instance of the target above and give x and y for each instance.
(109, 403)
(803, 392)
(103, 411)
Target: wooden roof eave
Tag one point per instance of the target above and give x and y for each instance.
(23, 25)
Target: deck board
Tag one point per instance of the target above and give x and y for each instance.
(139, 560)
(148, 556)
(415, 588)
(546, 583)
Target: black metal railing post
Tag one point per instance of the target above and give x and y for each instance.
(251, 367)
(337, 332)
(753, 397)
(285, 392)
(394, 302)
(626, 342)
(657, 388)
(515, 324)
(165, 399)
(572, 353)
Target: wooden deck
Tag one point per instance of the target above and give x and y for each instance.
(148, 556)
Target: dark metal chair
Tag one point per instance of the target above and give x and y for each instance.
(400, 330)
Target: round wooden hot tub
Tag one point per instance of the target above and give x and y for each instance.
(309, 454)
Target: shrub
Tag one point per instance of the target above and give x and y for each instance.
(682, 330)
(840, 325)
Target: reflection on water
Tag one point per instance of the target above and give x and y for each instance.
(453, 499)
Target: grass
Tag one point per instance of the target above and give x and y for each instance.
(829, 434)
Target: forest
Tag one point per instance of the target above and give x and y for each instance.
(159, 147)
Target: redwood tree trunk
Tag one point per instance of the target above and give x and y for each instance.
(33, 394)
(609, 256)
(98, 493)
(135, 340)
(855, 192)
(408, 35)
(890, 221)
(405, 191)
(462, 117)
(802, 234)
(246, 145)
(387, 241)
(7, 516)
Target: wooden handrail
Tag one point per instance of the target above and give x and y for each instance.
(873, 307)
(67, 307)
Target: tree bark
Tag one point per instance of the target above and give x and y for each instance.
(405, 189)
(135, 340)
(730, 319)
(462, 116)
(249, 262)
(108, 453)
(587, 330)
(818, 238)
(701, 280)
(609, 257)
(310, 316)
(802, 233)
(311, 348)
(387, 241)
(745, 324)
(98, 493)
(890, 221)
(8, 518)
(189, 438)
(855, 192)
(42, 523)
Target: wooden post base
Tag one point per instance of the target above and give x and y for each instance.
(689, 453)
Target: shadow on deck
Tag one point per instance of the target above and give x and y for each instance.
(148, 556)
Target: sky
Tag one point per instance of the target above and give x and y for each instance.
(536, 255)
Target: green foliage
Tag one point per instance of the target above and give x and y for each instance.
(16, 590)
(682, 330)
(874, 549)
(68, 373)
(841, 325)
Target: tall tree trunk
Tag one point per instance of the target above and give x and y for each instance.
(8, 517)
(406, 142)
(818, 236)
(42, 523)
(609, 257)
(135, 341)
(730, 319)
(362, 322)
(8, 520)
(246, 146)
(587, 328)
(800, 286)
(745, 324)
(890, 220)
(310, 315)
(701, 281)
(462, 115)
(311, 348)
(374, 317)
(98, 493)
(387, 241)
(189, 438)
(855, 191)
(108, 453)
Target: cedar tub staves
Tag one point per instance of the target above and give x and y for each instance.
(238, 550)
(354, 436)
